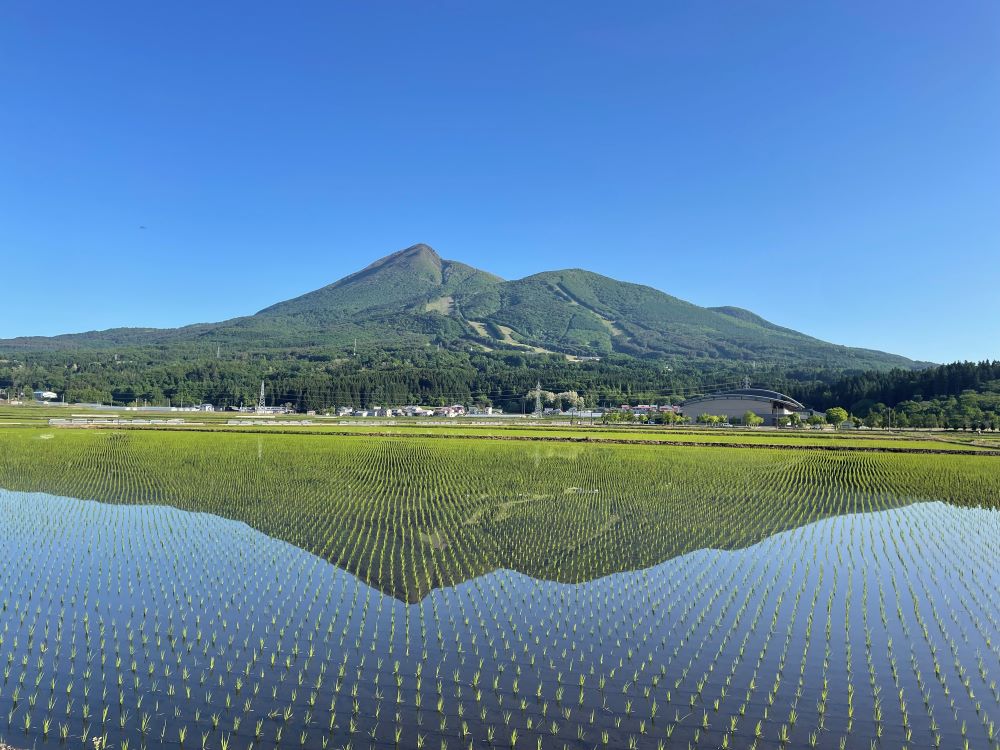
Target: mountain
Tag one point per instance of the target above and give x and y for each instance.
(415, 298)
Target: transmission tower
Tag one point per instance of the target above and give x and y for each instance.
(261, 406)
(538, 398)
(746, 383)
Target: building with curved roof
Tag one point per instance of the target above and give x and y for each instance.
(768, 405)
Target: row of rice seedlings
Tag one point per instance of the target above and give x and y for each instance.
(411, 515)
(213, 635)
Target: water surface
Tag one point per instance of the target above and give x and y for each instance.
(146, 623)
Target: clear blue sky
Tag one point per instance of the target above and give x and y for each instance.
(851, 149)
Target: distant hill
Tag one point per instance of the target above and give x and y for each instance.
(414, 298)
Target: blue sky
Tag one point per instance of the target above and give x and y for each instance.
(833, 166)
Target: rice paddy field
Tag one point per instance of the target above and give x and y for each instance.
(541, 429)
(242, 590)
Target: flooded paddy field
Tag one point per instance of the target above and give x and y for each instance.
(262, 592)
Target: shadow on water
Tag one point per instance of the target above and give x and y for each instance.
(149, 624)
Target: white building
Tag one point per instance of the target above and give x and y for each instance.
(455, 410)
(768, 405)
(417, 411)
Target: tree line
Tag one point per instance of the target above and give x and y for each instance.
(959, 395)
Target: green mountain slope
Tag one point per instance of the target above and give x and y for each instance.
(415, 281)
(415, 298)
(586, 313)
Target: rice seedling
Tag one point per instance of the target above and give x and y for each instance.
(329, 592)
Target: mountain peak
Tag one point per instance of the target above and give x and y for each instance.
(400, 282)
(420, 259)
(420, 251)
(419, 248)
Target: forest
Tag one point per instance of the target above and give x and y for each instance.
(958, 395)
(961, 395)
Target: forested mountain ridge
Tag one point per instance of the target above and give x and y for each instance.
(414, 298)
